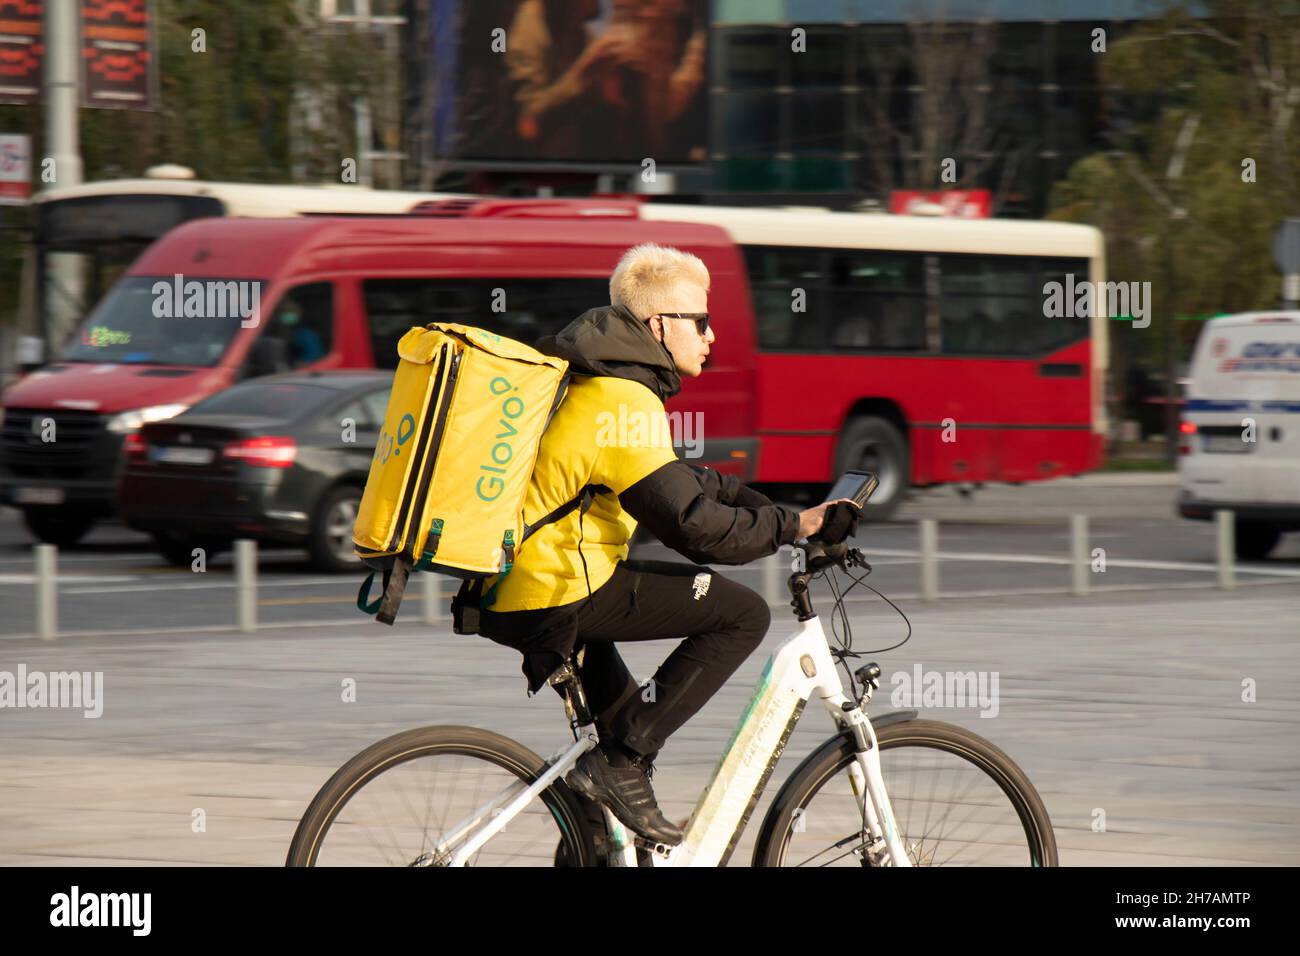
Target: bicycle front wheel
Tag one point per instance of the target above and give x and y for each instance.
(414, 798)
(958, 801)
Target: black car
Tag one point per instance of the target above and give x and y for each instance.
(281, 459)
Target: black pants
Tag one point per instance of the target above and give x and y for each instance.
(722, 621)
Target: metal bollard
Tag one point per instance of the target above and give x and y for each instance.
(774, 566)
(246, 583)
(929, 559)
(432, 598)
(1079, 553)
(1226, 548)
(47, 592)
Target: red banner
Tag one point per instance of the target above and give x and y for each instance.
(960, 203)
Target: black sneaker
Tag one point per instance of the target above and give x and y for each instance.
(626, 791)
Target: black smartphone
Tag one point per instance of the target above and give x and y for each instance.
(857, 486)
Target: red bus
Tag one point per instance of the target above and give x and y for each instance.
(930, 343)
(912, 346)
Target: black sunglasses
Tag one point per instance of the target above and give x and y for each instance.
(701, 319)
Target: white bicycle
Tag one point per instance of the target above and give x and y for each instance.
(462, 796)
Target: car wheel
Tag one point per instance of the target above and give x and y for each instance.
(875, 445)
(59, 527)
(1255, 540)
(331, 530)
(178, 548)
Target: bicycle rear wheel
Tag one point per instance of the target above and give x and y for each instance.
(958, 801)
(400, 802)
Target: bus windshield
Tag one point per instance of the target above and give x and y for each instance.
(126, 327)
(85, 243)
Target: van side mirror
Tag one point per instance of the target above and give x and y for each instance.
(267, 356)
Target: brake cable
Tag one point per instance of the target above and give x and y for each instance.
(845, 649)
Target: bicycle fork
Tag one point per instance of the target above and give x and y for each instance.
(869, 790)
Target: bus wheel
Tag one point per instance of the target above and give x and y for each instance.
(875, 445)
(1255, 540)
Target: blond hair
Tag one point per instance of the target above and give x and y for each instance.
(646, 275)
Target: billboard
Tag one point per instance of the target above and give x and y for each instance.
(118, 69)
(21, 51)
(595, 81)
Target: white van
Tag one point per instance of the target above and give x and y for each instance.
(1240, 434)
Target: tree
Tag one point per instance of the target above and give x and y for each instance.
(1204, 163)
(934, 97)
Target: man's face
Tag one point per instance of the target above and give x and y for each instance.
(682, 336)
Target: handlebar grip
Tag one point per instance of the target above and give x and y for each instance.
(839, 523)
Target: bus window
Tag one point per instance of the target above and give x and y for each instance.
(774, 275)
(988, 304)
(304, 321)
(1053, 333)
(84, 244)
(877, 300)
(522, 309)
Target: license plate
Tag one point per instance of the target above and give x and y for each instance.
(1226, 444)
(38, 496)
(181, 456)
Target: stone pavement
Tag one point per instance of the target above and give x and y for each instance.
(1129, 704)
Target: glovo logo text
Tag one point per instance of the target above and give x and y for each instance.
(386, 446)
(489, 486)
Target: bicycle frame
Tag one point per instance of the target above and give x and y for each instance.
(800, 669)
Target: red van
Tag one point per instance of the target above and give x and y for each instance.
(217, 301)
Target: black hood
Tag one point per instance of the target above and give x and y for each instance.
(611, 341)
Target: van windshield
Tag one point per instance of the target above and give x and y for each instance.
(160, 321)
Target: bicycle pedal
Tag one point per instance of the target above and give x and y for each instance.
(651, 846)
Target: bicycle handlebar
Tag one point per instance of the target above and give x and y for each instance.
(818, 556)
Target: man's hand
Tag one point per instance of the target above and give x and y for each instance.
(810, 521)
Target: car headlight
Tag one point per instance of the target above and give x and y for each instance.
(129, 421)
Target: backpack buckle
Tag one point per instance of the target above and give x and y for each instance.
(508, 551)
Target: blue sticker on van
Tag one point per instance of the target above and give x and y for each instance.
(1240, 405)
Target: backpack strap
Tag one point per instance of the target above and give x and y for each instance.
(394, 587)
(465, 607)
(560, 392)
(584, 500)
(581, 503)
(364, 604)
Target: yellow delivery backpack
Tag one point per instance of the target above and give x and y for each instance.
(447, 483)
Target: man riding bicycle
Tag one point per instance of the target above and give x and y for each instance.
(572, 589)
